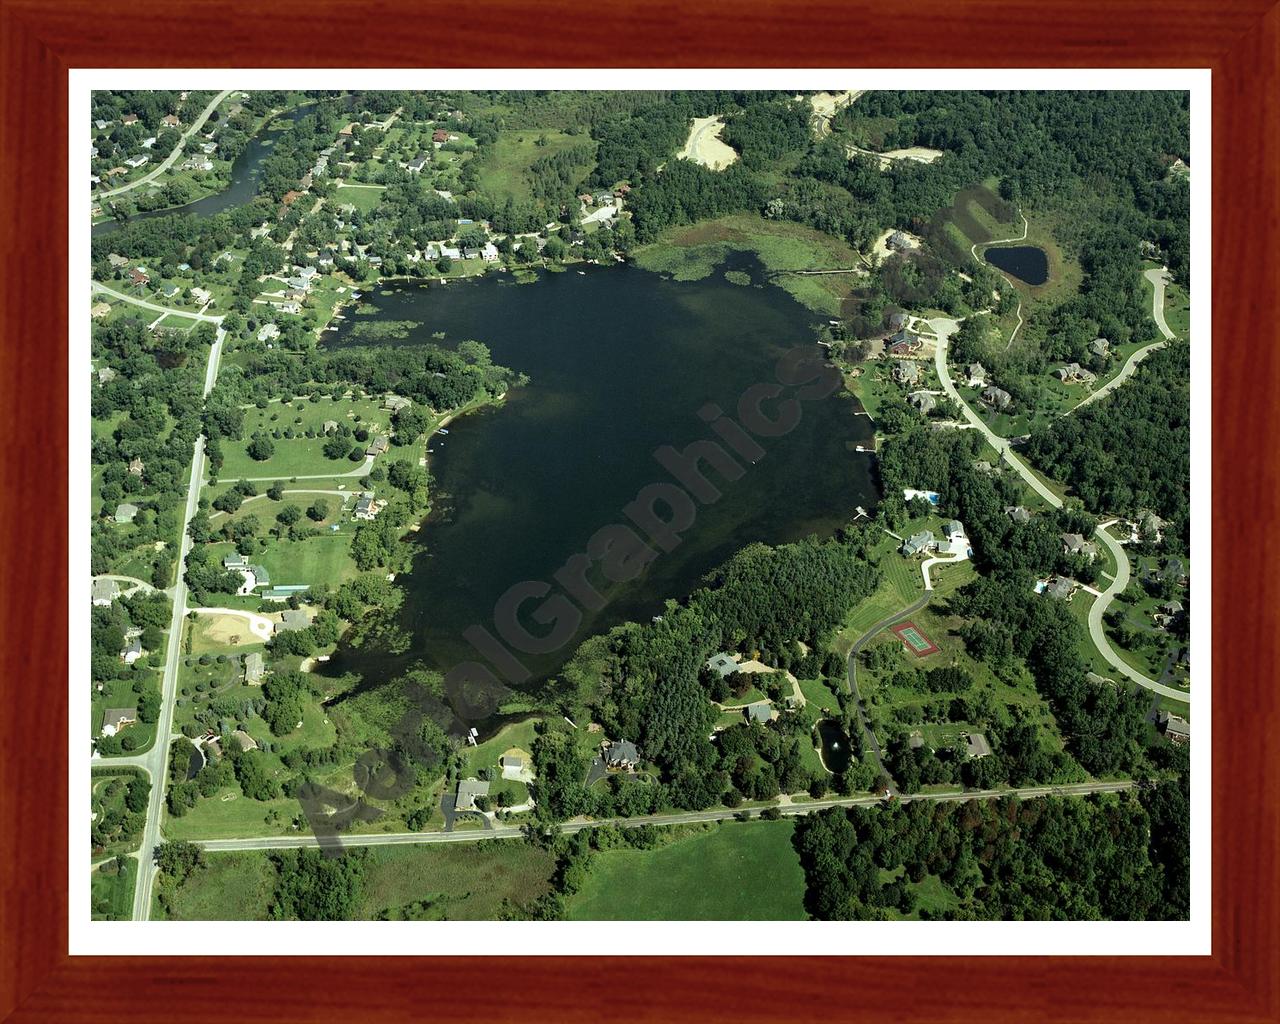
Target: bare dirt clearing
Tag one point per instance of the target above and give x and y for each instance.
(704, 146)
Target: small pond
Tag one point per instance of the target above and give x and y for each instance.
(834, 745)
(1028, 263)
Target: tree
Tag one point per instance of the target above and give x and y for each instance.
(260, 449)
(179, 859)
(319, 510)
(289, 515)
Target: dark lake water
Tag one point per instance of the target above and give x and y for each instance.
(620, 362)
(246, 171)
(835, 745)
(1025, 262)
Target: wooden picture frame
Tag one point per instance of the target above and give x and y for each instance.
(1239, 41)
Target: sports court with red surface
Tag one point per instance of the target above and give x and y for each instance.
(913, 638)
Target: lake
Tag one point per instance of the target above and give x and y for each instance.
(620, 362)
(246, 170)
(1027, 263)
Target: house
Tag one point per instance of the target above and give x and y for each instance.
(977, 375)
(1172, 609)
(997, 398)
(622, 754)
(438, 136)
(171, 291)
(923, 401)
(235, 562)
(170, 120)
(512, 766)
(1151, 526)
(137, 161)
(623, 189)
(394, 403)
(1178, 730)
(1074, 373)
(197, 163)
(902, 343)
(906, 373)
(208, 148)
(292, 620)
(470, 252)
(268, 332)
(368, 507)
(136, 467)
(954, 531)
(291, 308)
(468, 790)
(585, 199)
(106, 375)
(722, 664)
(762, 712)
(262, 578)
(101, 125)
(253, 668)
(295, 294)
(104, 592)
(148, 143)
(377, 446)
(201, 295)
(1100, 347)
(126, 512)
(330, 427)
(1075, 544)
(1174, 570)
(347, 129)
(132, 650)
(290, 197)
(138, 277)
(984, 467)
(244, 740)
(898, 242)
(489, 253)
(305, 181)
(99, 310)
(248, 581)
(1017, 513)
(116, 260)
(129, 119)
(975, 745)
(899, 320)
(1060, 589)
(298, 284)
(115, 719)
(919, 542)
(416, 165)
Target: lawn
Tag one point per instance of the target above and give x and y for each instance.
(486, 755)
(364, 198)
(231, 815)
(111, 890)
(232, 886)
(467, 882)
(321, 559)
(734, 871)
(300, 455)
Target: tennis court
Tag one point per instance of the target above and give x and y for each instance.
(913, 638)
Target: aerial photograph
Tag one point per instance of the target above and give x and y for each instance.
(536, 505)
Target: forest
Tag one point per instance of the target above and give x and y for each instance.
(1132, 451)
(1048, 859)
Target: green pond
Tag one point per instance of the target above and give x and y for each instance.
(620, 362)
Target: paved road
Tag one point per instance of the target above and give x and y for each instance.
(360, 471)
(98, 286)
(155, 760)
(851, 667)
(196, 125)
(973, 250)
(1158, 278)
(944, 328)
(685, 818)
(1098, 634)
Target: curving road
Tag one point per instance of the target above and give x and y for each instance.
(1158, 278)
(196, 125)
(99, 287)
(688, 817)
(943, 328)
(1098, 633)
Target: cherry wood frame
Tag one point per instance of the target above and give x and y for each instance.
(39, 41)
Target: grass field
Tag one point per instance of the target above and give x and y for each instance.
(232, 886)
(730, 872)
(459, 883)
(506, 168)
(111, 890)
(364, 198)
(300, 455)
(322, 559)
